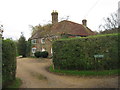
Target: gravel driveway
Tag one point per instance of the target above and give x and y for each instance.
(33, 74)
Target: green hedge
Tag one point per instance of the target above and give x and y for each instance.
(78, 53)
(8, 62)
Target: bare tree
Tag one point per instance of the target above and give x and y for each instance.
(43, 31)
(35, 28)
(110, 22)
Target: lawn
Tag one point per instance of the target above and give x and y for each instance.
(85, 73)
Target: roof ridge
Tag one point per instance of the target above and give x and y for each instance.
(71, 22)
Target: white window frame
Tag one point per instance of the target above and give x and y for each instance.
(33, 50)
(34, 41)
(43, 40)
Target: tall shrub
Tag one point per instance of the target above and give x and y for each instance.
(22, 46)
(8, 62)
(78, 53)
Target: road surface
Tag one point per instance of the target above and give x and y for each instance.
(34, 74)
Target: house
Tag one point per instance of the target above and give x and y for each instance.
(42, 41)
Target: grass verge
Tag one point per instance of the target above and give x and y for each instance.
(16, 84)
(85, 73)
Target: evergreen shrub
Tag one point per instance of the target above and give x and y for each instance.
(43, 54)
(8, 62)
(37, 54)
(78, 53)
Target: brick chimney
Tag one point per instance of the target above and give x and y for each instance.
(54, 17)
(84, 22)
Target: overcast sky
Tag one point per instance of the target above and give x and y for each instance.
(17, 15)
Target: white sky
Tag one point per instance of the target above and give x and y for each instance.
(17, 15)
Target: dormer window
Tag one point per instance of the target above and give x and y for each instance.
(43, 41)
(34, 41)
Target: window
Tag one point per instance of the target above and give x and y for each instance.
(33, 41)
(43, 41)
(43, 49)
(33, 49)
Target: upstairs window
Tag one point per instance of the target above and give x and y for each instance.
(43, 41)
(34, 41)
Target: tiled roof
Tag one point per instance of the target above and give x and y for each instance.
(37, 34)
(66, 27)
(69, 27)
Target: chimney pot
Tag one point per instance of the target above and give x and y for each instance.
(84, 22)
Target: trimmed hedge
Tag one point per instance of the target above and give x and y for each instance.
(43, 54)
(78, 53)
(8, 62)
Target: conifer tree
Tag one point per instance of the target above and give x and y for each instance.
(22, 45)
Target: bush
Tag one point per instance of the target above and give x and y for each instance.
(78, 53)
(43, 54)
(8, 62)
(37, 54)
